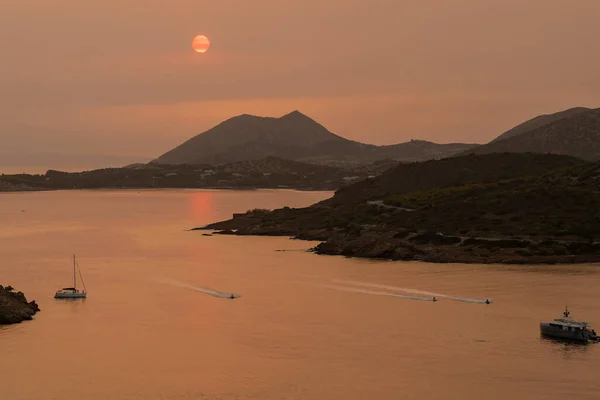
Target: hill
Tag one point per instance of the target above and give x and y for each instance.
(270, 172)
(577, 135)
(540, 121)
(448, 172)
(530, 214)
(276, 165)
(557, 204)
(296, 137)
(421, 150)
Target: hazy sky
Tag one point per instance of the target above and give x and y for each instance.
(119, 77)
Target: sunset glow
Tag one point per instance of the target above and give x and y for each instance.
(381, 74)
(200, 44)
(202, 207)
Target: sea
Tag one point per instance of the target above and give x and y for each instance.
(160, 322)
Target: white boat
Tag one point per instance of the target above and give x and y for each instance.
(72, 292)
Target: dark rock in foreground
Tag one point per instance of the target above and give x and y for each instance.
(14, 307)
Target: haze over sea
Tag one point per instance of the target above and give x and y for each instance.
(157, 323)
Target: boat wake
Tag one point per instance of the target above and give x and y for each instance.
(211, 292)
(417, 291)
(365, 291)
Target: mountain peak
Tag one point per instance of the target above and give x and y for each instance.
(294, 113)
(295, 116)
(245, 117)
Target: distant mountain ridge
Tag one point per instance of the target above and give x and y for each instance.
(574, 132)
(293, 136)
(540, 121)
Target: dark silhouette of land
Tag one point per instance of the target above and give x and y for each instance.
(296, 137)
(296, 152)
(501, 208)
(574, 132)
(539, 121)
(270, 172)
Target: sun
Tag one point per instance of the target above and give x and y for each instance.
(200, 44)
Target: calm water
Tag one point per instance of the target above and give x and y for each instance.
(304, 326)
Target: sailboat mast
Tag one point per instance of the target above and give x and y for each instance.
(74, 274)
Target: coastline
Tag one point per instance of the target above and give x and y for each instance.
(468, 251)
(211, 187)
(425, 246)
(236, 188)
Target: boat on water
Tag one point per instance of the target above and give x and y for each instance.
(72, 292)
(568, 329)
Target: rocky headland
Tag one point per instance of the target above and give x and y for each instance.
(497, 208)
(14, 307)
(378, 242)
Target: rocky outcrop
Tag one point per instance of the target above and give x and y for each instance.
(431, 247)
(427, 246)
(14, 307)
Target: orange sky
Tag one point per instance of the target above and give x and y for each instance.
(120, 77)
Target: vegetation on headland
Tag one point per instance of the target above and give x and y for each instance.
(525, 216)
(448, 172)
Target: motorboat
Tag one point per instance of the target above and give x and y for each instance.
(569, 329)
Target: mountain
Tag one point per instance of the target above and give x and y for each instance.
(540, 121)
(540, 210)
(577, 134)
(248, 137)
(296, 137)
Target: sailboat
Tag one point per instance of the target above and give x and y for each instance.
(72, 292)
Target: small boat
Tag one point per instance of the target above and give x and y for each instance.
(569, 329)
(72, 292)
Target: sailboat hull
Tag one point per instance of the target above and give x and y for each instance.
(70, 295)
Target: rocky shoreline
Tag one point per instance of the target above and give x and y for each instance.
(436, 248)
(14, 307)
(405, 245)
